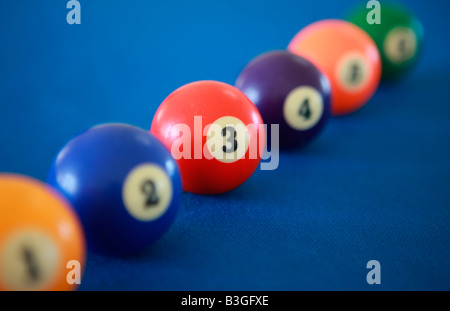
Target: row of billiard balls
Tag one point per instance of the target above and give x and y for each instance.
(125, 185)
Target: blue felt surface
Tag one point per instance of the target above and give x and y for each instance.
(374, 185)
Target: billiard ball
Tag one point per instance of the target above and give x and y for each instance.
(347, 56)
(399, 38)
(214, 132)
(40, 235)
(290, 91)
(122, 182)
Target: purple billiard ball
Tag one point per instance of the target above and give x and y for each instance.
(290, 91)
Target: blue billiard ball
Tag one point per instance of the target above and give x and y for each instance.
(122, 182)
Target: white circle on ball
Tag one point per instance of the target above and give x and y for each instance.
(227, 139)
(29, 261)
(353, 72)
(400, 45)
(303, 108)
(147, 192)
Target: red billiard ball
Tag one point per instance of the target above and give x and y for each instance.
(214, 132)
(347, 55)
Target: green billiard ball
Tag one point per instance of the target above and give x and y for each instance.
(398, 36)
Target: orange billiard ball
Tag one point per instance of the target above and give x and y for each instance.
(347, 55)
(40, 237)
